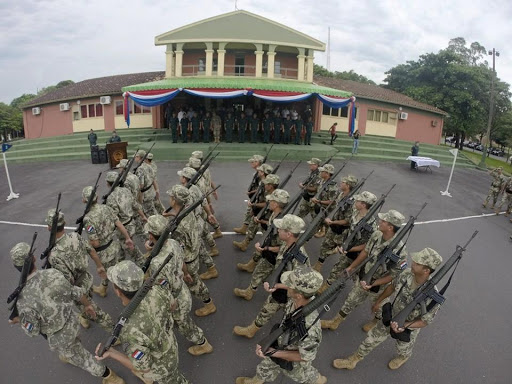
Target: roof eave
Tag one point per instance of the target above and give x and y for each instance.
(320, 48)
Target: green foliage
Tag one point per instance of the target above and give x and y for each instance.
(350, 75)
(19, 101)
(11, 119)
(51, 88)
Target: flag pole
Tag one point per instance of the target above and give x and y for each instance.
(12, 195)
(454, 153)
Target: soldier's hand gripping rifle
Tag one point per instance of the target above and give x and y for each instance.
(121, 178)
(53, 234)
(426, 291)
(25, 271)
(254, 181)
(309, 179)
(201, 171)
(143, 159)
(80, 220)
(362, 225)
(388, 256)
(261, 187)
(325, 185)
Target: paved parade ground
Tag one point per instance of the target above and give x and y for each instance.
(468, 342)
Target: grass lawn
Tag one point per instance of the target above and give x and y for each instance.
(489, 162)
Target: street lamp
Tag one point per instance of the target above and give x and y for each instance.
(494, 53)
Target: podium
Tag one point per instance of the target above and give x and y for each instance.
(116, 152)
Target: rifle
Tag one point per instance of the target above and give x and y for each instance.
(259, 191)
(121, 178)
(255, 176)
(310, 177)
(171, 227)
(150, 281)
(387, 255)
(209, 154)
(25, 271)
(363, 225)
(80, 220)
(326, 184)
(428, 289)
(53, 234)
(143, 158)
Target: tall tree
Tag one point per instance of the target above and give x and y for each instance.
(345, 75)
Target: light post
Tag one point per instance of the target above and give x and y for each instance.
(494, 53)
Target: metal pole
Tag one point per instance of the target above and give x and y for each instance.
(491, 107)
(12, 195)
(446, 193)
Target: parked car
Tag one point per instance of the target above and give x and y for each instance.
(450, 139)
(472, 144)
(479, 147)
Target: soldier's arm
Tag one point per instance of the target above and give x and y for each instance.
(359, 259)
(100, 269)
(384, 295)
(125, 233)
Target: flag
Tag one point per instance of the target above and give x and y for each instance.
(127, 110)
(5, 147)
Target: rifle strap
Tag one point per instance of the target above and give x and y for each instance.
(443, 290)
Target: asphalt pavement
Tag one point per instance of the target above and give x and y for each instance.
(469, 341)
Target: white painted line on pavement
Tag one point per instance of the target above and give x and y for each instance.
(29, 225)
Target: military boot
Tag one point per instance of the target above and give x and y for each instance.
(217, 234)
(370, 325)
(206, 310)
(211, 273)
(197, 350)
(249, 267)
(332, 324)
(318, 266)
(214, 252)
(248, 331)
(348, 363)
(242, 245)
(321, 379)
(248, 380)
(84, 322)
(241, 230)
(397, 362)
(112, 378)
(139, 375)
(100, 290)
(246, 294)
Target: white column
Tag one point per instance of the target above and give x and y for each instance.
(301, 66)
(221, 54)
(270, 63)
(169, 57)
(259, 59)
(209, 59)
(309, 64)
(179, 60)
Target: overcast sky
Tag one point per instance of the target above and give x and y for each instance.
(43, 42)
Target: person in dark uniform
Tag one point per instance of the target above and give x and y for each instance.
(287, 127)
(184, 123)
(277, 128)
(309, 131)
(207, 121)
(173, 125)
(92, 137)
(267, 125)
(255, 124)
(414, 152)
(114, 138)
(168, 115)
(298, 131)
(242, 126)
(196, 126)
(229, 123)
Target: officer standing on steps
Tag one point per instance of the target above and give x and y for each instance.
(301, 285)
(424, 263)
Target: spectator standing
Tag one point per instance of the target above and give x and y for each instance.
(355, 145)
(92, 137)
(415, 149)
(332, 130)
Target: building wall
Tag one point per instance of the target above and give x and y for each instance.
(419, 127)
(51, 122)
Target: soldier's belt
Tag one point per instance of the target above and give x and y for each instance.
(191, 261)
(147, 188)
(103, 247)
(128, 222)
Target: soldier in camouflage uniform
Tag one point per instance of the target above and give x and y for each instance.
(158, 204)
(328, 191)
(171, 281)
(100, 224)
(404, 286)
(363, 202)
(148, 186)
(496, 185)
(506, 189)
(339, 223)
(301, 284)
(310, 187)
(263, 261)
(150, 347)
(256, 161)
(70, 256)
(187, 235)
(202, 213)
(125, 208)
(289, 229)
(133, 184)
(270, 184)
(217, 125)
(46, 306)
(389, 224)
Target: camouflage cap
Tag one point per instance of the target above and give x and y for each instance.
(140, 153)
(265, 168)
(18, 253)
(87, 191)
(49, 218)
(271, 179)
(392, 217)
(279, 195)
(126, 275)
(314, 160)
(149, 156)
(327, 168)
(427, 257)
(366, 197)
(198, 154)
(350, 180)
(187, 172)
(303, 279)
(193, 162)
(155, 225)
(122, 164)
(291, 223)
(179, 192)
(256, 158)
(111, 176)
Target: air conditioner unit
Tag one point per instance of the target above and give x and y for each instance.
(403, 115)
(105, 100)
(434, 123)
(64, 107)
(36, 111)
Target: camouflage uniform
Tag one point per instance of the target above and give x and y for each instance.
(158, 204)
(217, 124)
(146, 178)
(148, 341)
(46, 306)
(494, 191)
(253, 226)
(314, 178)
(507, 196)
(133, 184)
(332, 239)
